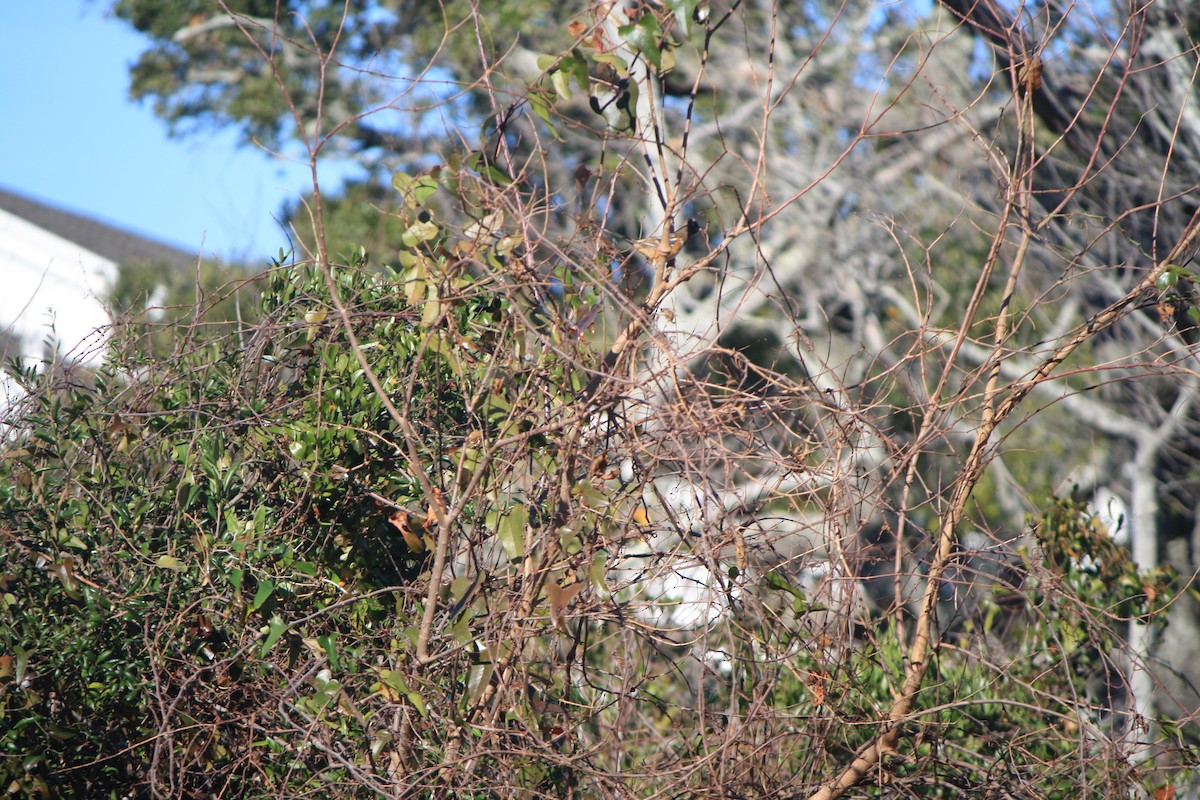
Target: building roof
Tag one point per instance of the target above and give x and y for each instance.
(115, 244)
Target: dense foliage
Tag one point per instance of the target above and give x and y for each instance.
(481, 495)
(169, 520)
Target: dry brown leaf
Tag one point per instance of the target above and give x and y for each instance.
(400, 519)
(560, 597)
(818, 681)
(437, 509)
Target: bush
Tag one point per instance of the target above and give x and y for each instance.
(200, 567)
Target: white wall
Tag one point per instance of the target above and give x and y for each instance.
(47, 280)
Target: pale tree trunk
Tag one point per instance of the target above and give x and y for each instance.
(1140, 733)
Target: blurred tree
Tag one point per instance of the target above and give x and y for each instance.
(263, 66)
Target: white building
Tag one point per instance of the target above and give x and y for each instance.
(56, 268)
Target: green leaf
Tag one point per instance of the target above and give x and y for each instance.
(418, 703)
(645, 37)
(511, 530)
(541, 107)
(327, 685)
(470, 459)
(414, 280)
(395, 681)
(276, 629)
(774, 580)
(59, 732)
(577, 67)
(561, 81)
(596, 574)
(381, 740)
(590, 495)
(169, 562)
(328, 643)
(668, 60)
(480, 164)
(423, 230)
(461, 630)
(478, 677)
(1072, 635)
(432, 309)
(615, 61)
(569, 539)
(685, 13)
(440, 344)
(459, 589)
(22, 663)
(414, 190)
(265, 588)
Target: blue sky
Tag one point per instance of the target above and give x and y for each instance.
(71, 137)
